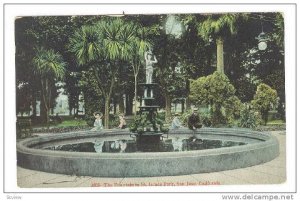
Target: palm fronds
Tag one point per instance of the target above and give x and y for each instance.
(49, 63)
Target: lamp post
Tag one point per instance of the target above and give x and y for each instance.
(262, 41)
(262, 37)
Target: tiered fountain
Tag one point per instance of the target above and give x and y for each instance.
(148, 129)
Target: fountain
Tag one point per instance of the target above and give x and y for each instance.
(114, 153)
(148, 129)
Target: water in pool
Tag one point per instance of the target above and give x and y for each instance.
(129, 146)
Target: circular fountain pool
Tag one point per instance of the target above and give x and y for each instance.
(113, 153)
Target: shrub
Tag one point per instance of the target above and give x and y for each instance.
(89, 120)
(205, 118)
(113, 120)
(184, 117)
(249, 119)
(145, 122)
(216, 92)
(264, 99)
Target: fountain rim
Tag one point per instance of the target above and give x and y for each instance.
(22, 146)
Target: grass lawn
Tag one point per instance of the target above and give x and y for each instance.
(73, 122)
(275, 122)
(65, 123)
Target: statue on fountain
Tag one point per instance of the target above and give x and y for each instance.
(149, 65)
(149, 70)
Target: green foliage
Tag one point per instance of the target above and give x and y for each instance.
(205, 116)
(114, 45)
(114, 120)
(218, 25)
(23, 100)
(184, 117)
(232, 108)
(108, 39)
(104, 48)
(278, 34)
(85, 44)
(249, 118)
(264, 99)
(276, 122)
(50, 67)
(145, 122)
(216, 92)
(49, 64)
(276, 80)
(73, 122)
(33, 33)
(93, 98)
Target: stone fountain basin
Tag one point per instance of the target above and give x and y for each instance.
(260, 148)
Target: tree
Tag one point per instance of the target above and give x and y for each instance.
(265, 98)
(26, 85)
(23, 101)
(218, 27)
(140, 45)
(93, 98)
(51, 32)
(216, 92)
(50, 67)
(103, 47)
(73, 90)
(250, 66)
(196, 54)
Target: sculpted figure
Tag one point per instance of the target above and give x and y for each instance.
(149, 66)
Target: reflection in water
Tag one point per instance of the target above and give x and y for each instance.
(123, 146)
(98, 146)
(170, 145)
(177, 144)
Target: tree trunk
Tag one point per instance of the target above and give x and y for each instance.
(168, 107)
(121, 104)
(220, 55)
(188, 102)
(107, 95)
(281, 110)
(107, 101)
(265, 116)
(129, 100)
(115, 105)
(106, 113)
(44, 102)
(135, 95)
(47, 118)
(47, 101)
(182, 106)
(33, 103)
(43, 114)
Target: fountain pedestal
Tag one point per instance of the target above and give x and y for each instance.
(149, 139)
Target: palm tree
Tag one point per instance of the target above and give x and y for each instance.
(103, 47)
(50, 67)
(85, 44)
(218, 27)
